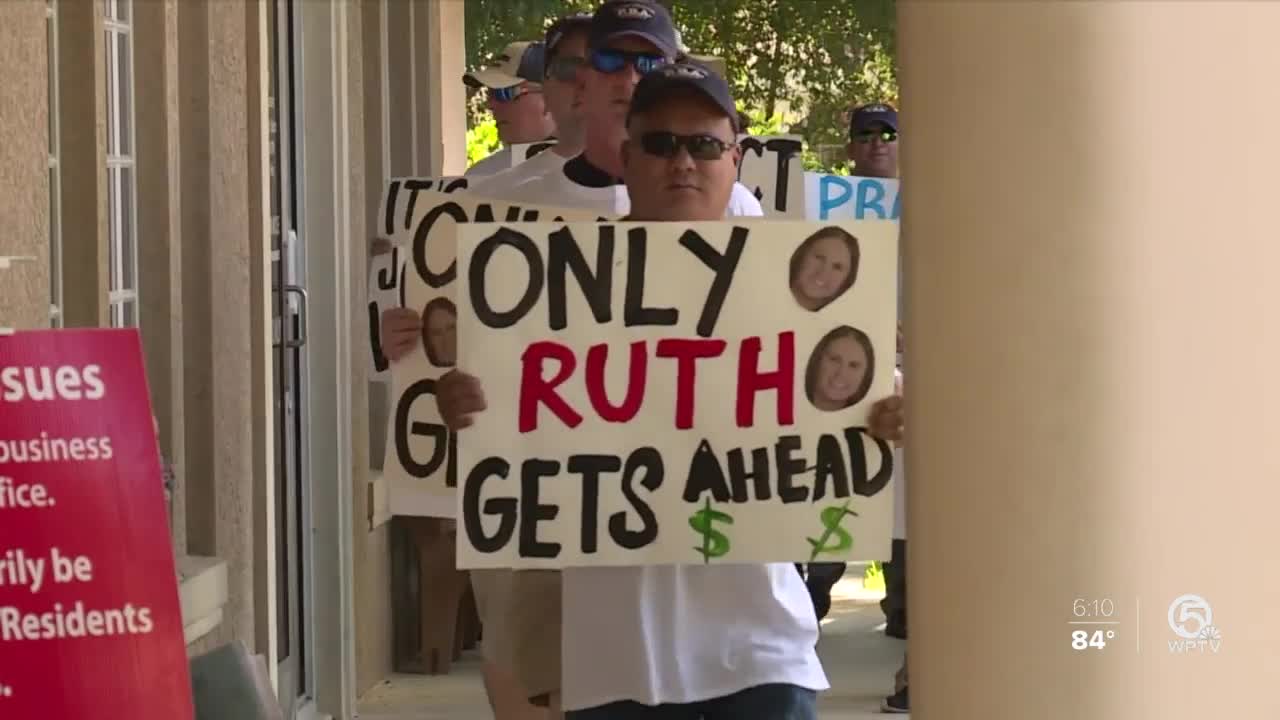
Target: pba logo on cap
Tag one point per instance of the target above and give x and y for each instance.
(878, 107)
(684, 71)
(633, 12)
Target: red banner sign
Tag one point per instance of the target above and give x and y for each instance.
(90, 625)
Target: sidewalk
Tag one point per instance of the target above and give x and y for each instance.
(860, 662)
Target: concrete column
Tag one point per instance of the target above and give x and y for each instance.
(155, 42)
(1092, 343)
(24, 164)
(217, 321)
(261, 357)
(83, 115)
(370, 547)
(401, 87)
(444, 97)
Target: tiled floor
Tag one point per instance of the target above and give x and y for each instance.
(859, 659)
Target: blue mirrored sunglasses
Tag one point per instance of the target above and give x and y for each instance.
(509, 94)
(609, 61)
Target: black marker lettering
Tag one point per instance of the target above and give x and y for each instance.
(590, 467)
(420, 237)
(723, 265)
(386, 278)
(389, 212)
(563, 255)
(634, 312)
(380, 362)
(863, 485)
(759, 473)
(705, 474)
(788, 468)
(532, 512)
(830, 466)
(786, 151)
(505, 508)
(649, 460)
(436, 431)
(479, 278)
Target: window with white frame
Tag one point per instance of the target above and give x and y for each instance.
(122, 181)
(55, 172)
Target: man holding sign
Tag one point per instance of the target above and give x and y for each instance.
(873, 141)
(676, 641)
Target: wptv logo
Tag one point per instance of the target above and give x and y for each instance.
(1191, 619)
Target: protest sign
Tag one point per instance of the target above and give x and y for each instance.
(771, 168)
(387, 270)
(675, 392)
(524, 151)
(420, 465)
(90, 625)
(840, 197)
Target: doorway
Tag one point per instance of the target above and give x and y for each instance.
(294, 552)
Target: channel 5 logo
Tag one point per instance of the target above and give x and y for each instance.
(1191, 619)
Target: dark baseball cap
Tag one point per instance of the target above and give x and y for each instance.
(562, 27)
(868, 117)
(519, 62)
(660, 86)
(642, 19)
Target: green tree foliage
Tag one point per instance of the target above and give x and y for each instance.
(795, 65)
(809, 60)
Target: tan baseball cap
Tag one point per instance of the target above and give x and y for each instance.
(519, 62)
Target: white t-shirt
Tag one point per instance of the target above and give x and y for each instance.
(499, 184)
(555, 189)
(495, 163)
(677, 633)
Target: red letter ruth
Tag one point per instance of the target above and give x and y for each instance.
(687, 353)
(534, 389)
(751, 380)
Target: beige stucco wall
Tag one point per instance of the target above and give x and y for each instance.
(371, 545)
(24, 175)
(1092, 344)
(217, 288)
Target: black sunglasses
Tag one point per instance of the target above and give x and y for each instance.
(610, 61)
(565, 69)
(700, 146)
(867, 136)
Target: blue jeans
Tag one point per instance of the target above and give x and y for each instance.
(762, 702)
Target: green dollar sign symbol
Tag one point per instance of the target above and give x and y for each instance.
(831, 517)
(714, 542)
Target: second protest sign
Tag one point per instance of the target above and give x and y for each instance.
(675, 392)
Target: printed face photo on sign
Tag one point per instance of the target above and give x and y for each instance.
(824, 267)
(440, 332)
(840, 369)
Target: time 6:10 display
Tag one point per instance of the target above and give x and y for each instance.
(1093, 608)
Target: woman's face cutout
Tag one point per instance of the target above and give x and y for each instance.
(841, 370)
(824, 268)
(442, 334)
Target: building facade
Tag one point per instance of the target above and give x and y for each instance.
(210, 172)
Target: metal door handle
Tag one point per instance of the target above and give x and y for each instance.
(302, 317)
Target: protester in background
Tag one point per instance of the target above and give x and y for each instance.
(873, 148)
(873, 141)
(627, 39)
(566, 54)
(899, 701)
(714, 642)
(514, 87)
